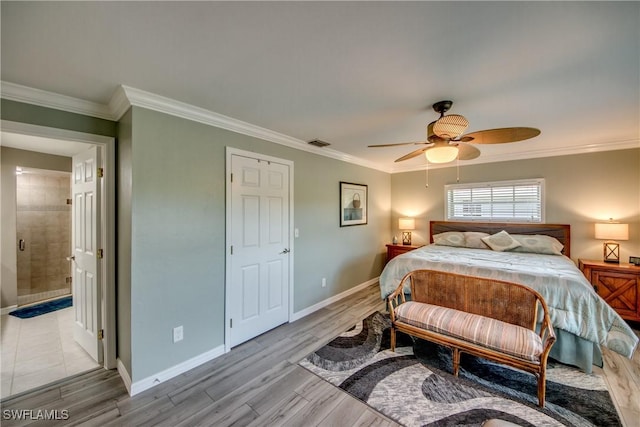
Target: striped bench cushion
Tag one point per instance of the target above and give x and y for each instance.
(490, 333)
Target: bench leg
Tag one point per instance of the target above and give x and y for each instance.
(393, 339)
(456, 361)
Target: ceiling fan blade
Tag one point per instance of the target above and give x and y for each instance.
(467, 152)
(412, 154)
(398, 144)
(502, 135)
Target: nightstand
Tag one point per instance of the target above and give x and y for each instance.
(617, 284)
(395, 250)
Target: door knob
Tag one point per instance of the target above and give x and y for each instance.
(71, 258)
(286, 251)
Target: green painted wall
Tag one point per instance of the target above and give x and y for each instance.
(178, 234)
(581, 189)
(171, 229)
(42, 116)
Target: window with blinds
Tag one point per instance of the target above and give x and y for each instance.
(502, 201)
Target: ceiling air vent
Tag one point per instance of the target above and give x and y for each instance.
(318, 143)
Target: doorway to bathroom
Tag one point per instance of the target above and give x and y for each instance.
(49, 347)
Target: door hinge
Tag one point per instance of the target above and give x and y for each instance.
(231, 323)
(231, 177)
(100, 254)
(100, 172)
(69, 201)
(231, 249)
(101, 334)
(68, 280)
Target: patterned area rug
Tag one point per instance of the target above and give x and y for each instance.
(42, 308)
(414, 387)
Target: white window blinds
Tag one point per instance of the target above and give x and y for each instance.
(503, 201)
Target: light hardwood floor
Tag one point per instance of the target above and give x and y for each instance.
(258, 384)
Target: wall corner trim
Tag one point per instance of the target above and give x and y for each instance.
(124, 374)
(160, 377)
(322, 304)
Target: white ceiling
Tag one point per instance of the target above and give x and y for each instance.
(351, 73)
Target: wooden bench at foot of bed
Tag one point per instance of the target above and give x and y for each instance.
(492, 319)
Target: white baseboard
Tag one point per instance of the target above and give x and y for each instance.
(167, 374)
(7, 310)
(322, 304)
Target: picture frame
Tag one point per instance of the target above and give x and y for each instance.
(353, 204)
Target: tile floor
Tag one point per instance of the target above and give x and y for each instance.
(38, 351)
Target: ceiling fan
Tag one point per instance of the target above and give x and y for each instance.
(446, 142)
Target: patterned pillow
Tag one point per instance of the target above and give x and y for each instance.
(449, 238)
(501, 241)
(473, 239)
(538, 244)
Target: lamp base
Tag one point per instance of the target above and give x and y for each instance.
(611, 252)
(406, 238)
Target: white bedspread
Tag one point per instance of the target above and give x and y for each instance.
(573, 304)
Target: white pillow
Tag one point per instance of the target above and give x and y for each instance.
(538, 244)
(501, 241)
(473, 239)
(449, 238)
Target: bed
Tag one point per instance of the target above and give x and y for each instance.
(582, 320)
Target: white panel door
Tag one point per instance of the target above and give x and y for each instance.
(85, 238)
(259, 276)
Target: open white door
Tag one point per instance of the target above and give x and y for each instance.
(259, 277)
(85, 238)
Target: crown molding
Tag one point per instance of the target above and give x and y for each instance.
(531, 154)
(119, 104)
(151, 101)
(42, 98)
(124, 97)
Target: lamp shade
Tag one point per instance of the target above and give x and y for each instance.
(442, 154)
(407, 224)
(612, 231)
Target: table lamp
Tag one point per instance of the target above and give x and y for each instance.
(406, 224)
(612, 231)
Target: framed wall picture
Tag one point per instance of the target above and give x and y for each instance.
(353, 204)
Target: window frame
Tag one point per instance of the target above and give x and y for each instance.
(539, 182)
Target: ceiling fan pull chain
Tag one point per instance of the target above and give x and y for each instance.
(427, 175)
(457, 169)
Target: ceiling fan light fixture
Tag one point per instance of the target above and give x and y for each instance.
(451, 126)
(442, 154)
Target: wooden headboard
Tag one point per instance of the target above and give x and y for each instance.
(562, 232)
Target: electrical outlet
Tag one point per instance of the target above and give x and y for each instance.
(324, 282)
(178, 334)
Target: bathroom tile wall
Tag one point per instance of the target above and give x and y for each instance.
(43, 226)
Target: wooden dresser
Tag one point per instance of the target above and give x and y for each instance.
(617, 284)
(395, 250)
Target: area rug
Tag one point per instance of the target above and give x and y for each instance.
(414, 386)
(42, 308)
